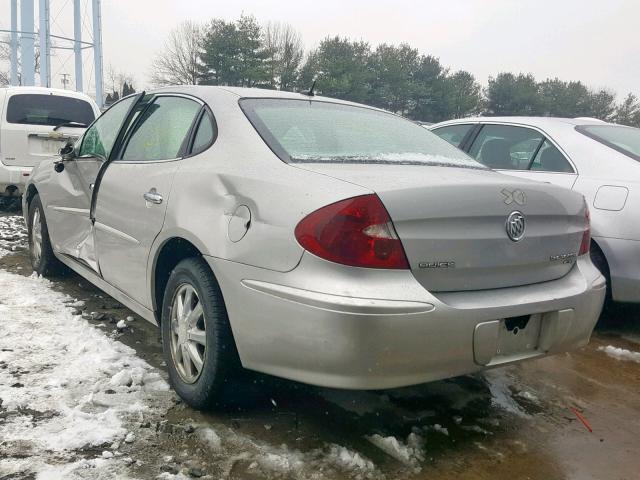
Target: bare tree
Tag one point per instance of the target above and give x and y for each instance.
(5, 57)
(285, 50)
(116, 81)
(178, 63)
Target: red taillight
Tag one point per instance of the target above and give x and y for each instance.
(356, 232)
(585, 245)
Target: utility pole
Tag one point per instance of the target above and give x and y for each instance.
(14, 42)
(27, 43)
(65, 80)
(97, 50)
(77, 45)
(45, 45)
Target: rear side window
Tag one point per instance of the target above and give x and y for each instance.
(205, 135)
(53, 110)
(623, 139)
(162, 129)
(454, 134)
(506, 147)
(550, 159)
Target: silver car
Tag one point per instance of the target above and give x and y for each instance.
(313, 239)
(597, 159)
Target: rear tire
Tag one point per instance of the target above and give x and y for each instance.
(43, 261)
(196, 336)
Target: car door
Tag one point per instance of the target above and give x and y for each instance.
(133, 192)
(524, 152)
(68, 194)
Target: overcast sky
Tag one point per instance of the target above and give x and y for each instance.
(595, 41)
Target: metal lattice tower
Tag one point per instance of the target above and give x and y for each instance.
(24, 39)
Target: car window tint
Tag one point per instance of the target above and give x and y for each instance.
(506, 147)
(98, 140)
(205, 135)
(454, 134)
(550, 159)
(161, 129)
(37, 109)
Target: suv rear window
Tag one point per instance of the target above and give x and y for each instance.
(623, 139)
(37, 109)
(314, 131)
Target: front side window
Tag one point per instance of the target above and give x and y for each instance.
(505, 147)
(325, 132)
(161, 129)
(52, 110)
(550, 159)
(99, 139)
(625, 140)
(454, 134)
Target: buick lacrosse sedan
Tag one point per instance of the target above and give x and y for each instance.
(597, 159)
(313, 239)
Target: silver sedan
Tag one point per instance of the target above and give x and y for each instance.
(600, 160)
(313, 239)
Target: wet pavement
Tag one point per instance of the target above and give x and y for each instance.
(522, 421)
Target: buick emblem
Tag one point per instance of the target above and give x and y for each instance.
(515, 226)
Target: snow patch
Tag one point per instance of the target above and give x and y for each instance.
(621, 353)
(64, 366)
(409, 453)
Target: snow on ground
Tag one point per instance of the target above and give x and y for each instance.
(70, 396)
(13, 234)
(409, 453)
(65, 387)
(621, 353)
(277, 461)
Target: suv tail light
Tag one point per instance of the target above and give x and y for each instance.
(356, 232)
(585, 245)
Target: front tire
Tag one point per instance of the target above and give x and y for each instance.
(196, 336)
(43, 261)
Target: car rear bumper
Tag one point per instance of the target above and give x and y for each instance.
(623, 258)
(12, 176)
(345, 327)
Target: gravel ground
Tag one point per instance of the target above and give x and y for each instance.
(83, 394)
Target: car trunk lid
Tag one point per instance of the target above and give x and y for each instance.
(453, 223)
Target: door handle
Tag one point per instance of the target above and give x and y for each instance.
(152, 196)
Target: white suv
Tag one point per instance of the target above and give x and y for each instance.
(35, 123)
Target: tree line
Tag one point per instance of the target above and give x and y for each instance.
(395, 77)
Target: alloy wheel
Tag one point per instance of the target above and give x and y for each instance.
(188, 333)
(36, 237)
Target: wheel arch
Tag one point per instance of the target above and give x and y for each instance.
(170, 252)
(602, 264)
(31, 192)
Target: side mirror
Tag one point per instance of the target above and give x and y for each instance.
(68, 152)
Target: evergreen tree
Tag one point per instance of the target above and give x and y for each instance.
(628, 112)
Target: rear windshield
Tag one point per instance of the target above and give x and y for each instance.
(623, 139)
(35, 109)
(311, 131)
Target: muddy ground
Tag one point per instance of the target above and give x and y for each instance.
(514, 422)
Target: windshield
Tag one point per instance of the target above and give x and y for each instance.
(623, 139)
(53, 110)
(313, 131)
